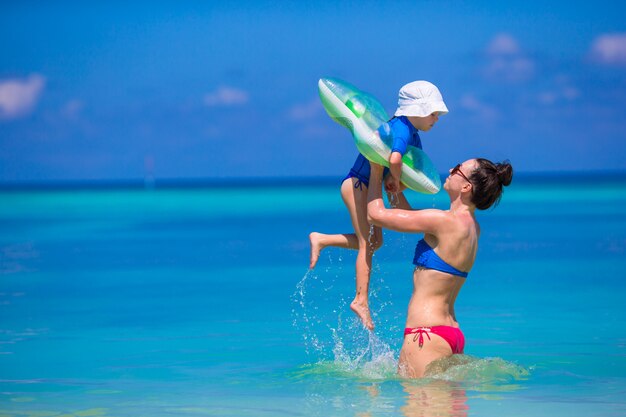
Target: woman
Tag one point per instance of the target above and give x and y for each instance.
(419, 106)
(443, 257)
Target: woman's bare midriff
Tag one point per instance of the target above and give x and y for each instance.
(432, 302)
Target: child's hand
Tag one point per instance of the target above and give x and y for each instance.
(392, 185)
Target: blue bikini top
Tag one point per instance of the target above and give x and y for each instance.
(426, 257)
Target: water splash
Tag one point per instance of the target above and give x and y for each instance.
(321, 301)
(379, 363)
(302, 317)
(480, 373)
(372, 358)
(339, 345)
(394, 200)
(333, 336)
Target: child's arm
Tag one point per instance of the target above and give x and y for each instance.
(401, 137)
(396, 198)
(392, 185)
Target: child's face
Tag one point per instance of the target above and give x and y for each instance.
(424, 123)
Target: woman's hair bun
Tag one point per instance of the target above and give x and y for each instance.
(504, 171)
(488, 180)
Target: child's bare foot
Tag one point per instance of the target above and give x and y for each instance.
(316, 248)
(363, 311)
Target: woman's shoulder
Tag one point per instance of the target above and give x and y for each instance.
(438, 219)
(450, 223)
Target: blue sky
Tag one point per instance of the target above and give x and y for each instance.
(112, 91)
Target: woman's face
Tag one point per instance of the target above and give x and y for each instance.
(424, 123)
(459, 175)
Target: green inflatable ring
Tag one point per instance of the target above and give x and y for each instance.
(363, 115)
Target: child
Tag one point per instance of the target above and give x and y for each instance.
(419, 106)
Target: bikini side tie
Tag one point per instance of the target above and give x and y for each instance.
(419, 334)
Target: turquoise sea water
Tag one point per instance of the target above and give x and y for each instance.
(198, 302)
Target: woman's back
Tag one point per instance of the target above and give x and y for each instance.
(442, 263)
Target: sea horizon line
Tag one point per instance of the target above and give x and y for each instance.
(581, 177)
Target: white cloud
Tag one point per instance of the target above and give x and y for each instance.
(72, 109)
(610, 49)
(506, 61)
(226, 96)
(18, 97)
(570, 93)
(547, 97)
(306, 111)
(482, 110)
(563, 94)
(503, 44)
(562, 90)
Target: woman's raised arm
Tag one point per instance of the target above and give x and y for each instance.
(412, 221)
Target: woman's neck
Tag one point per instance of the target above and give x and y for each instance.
(457, 206)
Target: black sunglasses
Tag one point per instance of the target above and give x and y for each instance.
(457, 170)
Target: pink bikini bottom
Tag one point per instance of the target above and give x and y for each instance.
(452, 335)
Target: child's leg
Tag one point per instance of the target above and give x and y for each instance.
(320, 240)
(340, 240)
(356, 202)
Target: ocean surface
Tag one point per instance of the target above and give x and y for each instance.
(197, 301)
